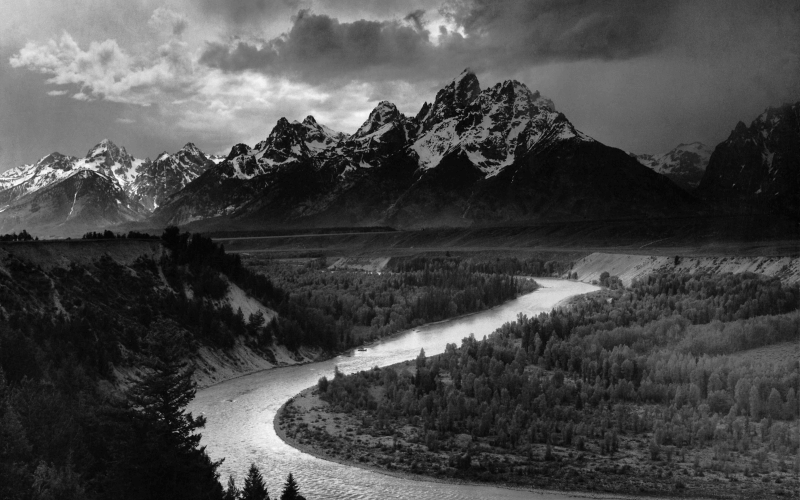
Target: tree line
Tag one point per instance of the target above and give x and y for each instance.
(340, 309)
(657, 359)
(110, 235)
(22, 236)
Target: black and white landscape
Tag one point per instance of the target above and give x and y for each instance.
(393, 250)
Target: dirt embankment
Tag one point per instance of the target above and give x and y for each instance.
(629, 267)
(213, 365)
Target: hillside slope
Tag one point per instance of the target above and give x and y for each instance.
(105, 296)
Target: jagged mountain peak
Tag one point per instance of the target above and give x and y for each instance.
(382, 114)
(515, 100)
(465, 86)
(521, 91)
(156, 181)
(191, 154)
(283, 131)
(105, 147)
(314, 126)
(55, 158)
(190, 147)
(238, 150)
(452, 99)
(758, 166)
(493, 127)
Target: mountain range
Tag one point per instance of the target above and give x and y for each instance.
(62, 194)
(758, 166)
(472, 156)
(684, 165)
(501, 154)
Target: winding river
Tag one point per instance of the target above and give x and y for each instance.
(240, 412)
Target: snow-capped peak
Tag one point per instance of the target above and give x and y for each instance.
(451, 100)
(465, 87)
(190, 147)
(492, 127)
(684, 164)
(238, 150)
(102, 148)
(385, 113)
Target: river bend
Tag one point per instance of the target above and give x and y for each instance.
(240, 412)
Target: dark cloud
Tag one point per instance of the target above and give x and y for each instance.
(416, 18)
(248, 11)
(504, 34)
(320, 47)
(544, 30)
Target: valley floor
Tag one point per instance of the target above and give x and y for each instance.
(309, 424)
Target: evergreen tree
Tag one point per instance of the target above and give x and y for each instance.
(254, 487)
(791, 410)
(160, 456)
(231, 492)
(755, 402)
(15, 451)
(290, 490)
(775, 404)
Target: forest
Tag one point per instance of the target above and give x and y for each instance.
(71, 428)
(650, 381)
(344, 308)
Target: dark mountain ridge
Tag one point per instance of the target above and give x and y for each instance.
(758, 167)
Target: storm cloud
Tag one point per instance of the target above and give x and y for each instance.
(319, 47)
(543, 30)
(249, 11)
(504, 34)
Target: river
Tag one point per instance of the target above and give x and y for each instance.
(240, 412)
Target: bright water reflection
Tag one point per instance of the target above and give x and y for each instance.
(240, 412)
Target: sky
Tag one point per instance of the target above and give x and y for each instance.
(152, 75)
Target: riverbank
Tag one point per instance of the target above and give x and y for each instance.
(215, 366)
(309, 396)
(367, 427)
(628, 266)
(310, 425)
(240, 412)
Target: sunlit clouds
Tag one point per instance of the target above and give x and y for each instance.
(160, 74)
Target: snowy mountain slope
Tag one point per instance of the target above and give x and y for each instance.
(758, 167)
(493, 127)
(684, 165)
(168, 174)
(19, 181)
(106, 157)
(121, 187)
(289, 149)
(85, 200)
